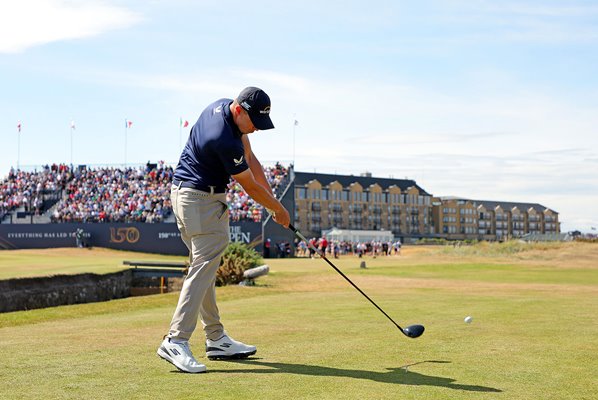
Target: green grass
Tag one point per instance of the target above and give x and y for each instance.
(534, 335)
(492, 273)
(46, 262)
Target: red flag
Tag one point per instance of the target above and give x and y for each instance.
(186, 124)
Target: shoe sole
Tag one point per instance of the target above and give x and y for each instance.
(163, 355)
(236, 356)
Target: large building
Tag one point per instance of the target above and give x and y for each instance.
(459, 219)
(326, 201)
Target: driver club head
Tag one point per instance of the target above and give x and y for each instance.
(414, 331)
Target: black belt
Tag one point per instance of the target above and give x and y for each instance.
(208, 189)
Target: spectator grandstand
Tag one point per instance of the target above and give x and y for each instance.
(108, 194)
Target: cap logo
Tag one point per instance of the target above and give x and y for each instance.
(265, 110)
(245, 105)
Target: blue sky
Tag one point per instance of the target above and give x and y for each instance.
(478, 99)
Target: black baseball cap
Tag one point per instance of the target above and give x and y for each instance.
(257, 104)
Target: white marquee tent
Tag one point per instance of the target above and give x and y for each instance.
(358, 235)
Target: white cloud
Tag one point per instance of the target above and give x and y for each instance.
(29, 23)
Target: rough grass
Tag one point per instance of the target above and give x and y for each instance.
(534, 334)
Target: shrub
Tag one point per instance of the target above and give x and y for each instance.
(237, 258)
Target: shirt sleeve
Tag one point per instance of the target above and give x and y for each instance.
(232, 156)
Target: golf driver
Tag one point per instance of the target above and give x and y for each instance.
(412, 331)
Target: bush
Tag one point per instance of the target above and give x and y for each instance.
(237, 258)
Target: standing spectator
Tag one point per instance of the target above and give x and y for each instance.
(312, 246)
(323, 245)
(267, 245)
(79, 237)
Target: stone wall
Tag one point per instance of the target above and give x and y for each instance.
(30, 293)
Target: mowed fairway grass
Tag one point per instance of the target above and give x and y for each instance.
(534, 333)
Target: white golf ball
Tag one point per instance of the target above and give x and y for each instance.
(468, 319)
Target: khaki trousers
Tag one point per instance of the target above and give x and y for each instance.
(202, 219)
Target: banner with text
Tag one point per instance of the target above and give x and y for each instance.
(151, 238)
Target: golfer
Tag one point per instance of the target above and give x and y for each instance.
(218, 148)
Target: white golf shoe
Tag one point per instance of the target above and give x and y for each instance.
(179, 355)
(227, 348)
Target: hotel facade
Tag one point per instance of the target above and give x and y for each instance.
(326, 201)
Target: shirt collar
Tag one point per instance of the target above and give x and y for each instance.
(229, 118)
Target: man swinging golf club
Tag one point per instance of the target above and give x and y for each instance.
(218, 148)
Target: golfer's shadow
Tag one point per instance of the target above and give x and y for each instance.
(401, 375)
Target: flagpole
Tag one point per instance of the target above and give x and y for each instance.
(294, 127)
(71, 145)
(126, 129)
(180, 132)
(19, 148)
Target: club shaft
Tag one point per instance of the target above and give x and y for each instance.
(311, 246)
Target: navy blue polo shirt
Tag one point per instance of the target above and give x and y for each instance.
(214, 150)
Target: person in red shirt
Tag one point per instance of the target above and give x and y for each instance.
(323, 245)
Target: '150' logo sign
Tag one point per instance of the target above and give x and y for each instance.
(119, 235)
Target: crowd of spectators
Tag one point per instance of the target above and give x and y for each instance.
(335, 248)
(243, 207)
(277, 177)
(134, 194)
(26, 190)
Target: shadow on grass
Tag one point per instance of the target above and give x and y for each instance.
(400, 375)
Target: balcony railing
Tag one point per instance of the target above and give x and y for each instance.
(376, 210)
(336, 208)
